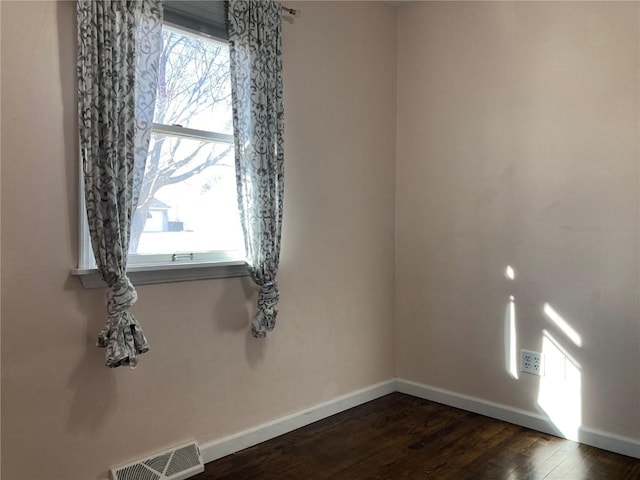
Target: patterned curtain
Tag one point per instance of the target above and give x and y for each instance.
(119, 43)
(255, 46)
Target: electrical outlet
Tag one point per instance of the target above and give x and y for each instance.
(531, 362)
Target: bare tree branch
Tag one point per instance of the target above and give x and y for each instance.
(194, 171)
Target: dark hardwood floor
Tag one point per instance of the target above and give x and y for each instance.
(403, 437)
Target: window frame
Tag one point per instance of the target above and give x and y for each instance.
(164, 268)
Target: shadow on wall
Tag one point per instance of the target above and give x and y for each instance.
(95, 396)
(228, 301)
(560, 385)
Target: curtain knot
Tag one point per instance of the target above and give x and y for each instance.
(269, 294)
(265, 319)
(123, 339)
(121, 296)
(122, 335)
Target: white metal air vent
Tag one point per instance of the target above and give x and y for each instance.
(178, 463)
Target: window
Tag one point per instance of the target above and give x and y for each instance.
(187, 209)
(187, 213)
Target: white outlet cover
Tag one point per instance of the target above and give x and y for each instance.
(532, 362)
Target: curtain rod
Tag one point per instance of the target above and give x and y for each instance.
(291, 11)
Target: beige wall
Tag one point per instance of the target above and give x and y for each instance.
(517, 128)
(518, 145)
(68, 417)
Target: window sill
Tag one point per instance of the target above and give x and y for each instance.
(152, 274)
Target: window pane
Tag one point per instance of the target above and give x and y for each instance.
(188, 199)
(194, 87)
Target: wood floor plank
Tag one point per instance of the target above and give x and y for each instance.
(372, 444)
(403, 437)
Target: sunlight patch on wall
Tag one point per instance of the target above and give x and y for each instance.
(563, 325)
(510, 333)
(510, 273)
(561, 387)
(511, 353)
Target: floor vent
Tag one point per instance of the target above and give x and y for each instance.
(178, 463)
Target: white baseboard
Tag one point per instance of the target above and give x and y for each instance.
(234, 443)
(589, 436)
